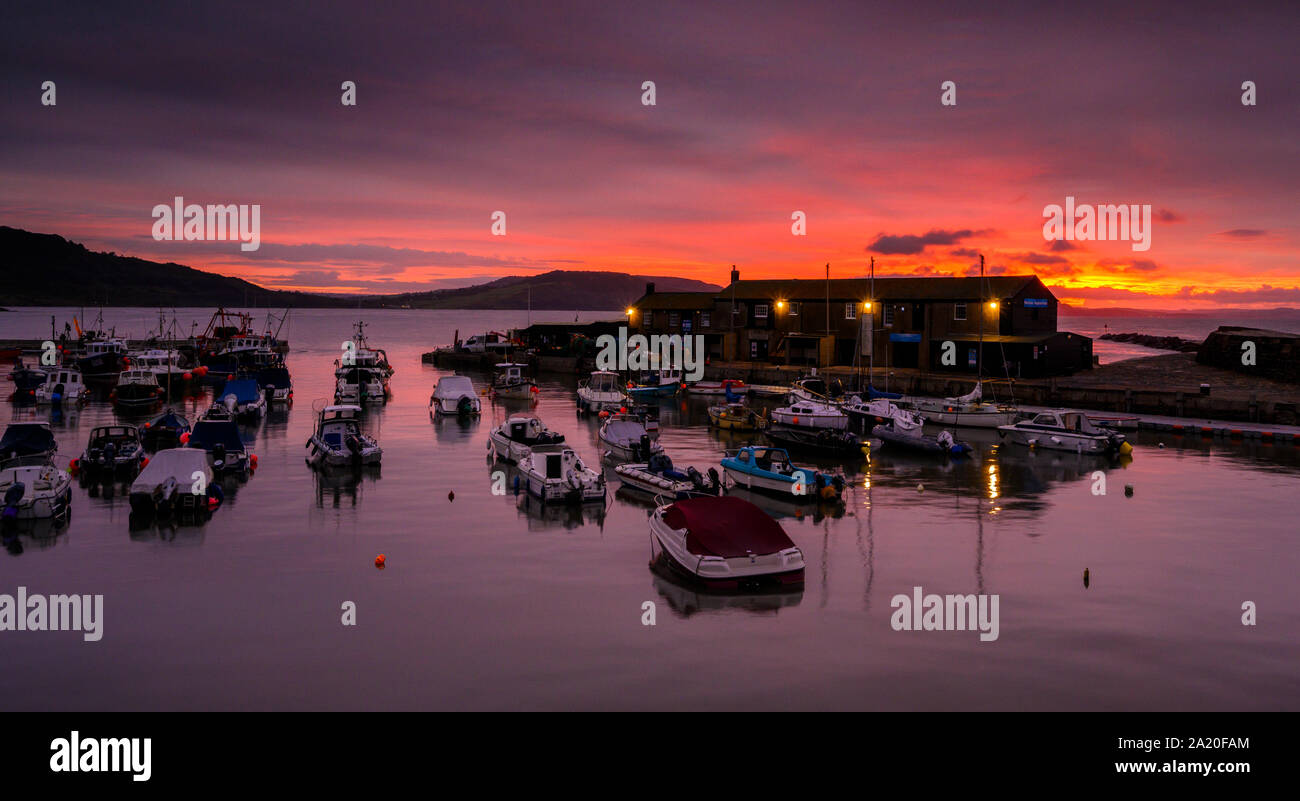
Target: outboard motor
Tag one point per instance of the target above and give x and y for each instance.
(696, 478)
(219, 456)
(12, 496)
(108, 455)
(230, 402)
(57, 397)
(714, 479)
(353, 443)
(835, 387)
(465, 405)
(642, 450)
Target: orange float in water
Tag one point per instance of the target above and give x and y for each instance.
(185, 438)
(380, 560)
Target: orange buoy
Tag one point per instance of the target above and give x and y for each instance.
(622, 410)
(795, 420)
(144, 462)
(185, 438)
(252, 460)
(380, 561)
(187, 376)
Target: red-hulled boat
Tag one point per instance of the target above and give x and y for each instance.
(724, 543)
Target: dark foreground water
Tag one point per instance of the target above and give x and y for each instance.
(489, 602)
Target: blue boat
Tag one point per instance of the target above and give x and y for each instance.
(243, 397)
(221, 439)
(656, 384)
(767, 469)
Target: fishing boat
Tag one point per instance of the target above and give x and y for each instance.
(1065, 430)
(767, 469)
(276, 383)
(166, 367)
(811, 414)
(111, 451)
(836, 441)
(176, 480)
(338, 440)
(909, 433)
(104, 359)
(27, 444)
(966, 410)
(724, 543)
(736, 417)
(555, 474)
(360, 385)
(63, 385)
(602, 392)
(25, 380)
(455, 395)
(220, 439)
(658, 476)
(164, 431)
(34, 492)
(136, 389)
(511, 383)
(709, 388)
(513, 439)
(363, 355)
(624, 436)
(655, 384)
(244, 398)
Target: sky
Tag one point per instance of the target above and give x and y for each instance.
(761, 110)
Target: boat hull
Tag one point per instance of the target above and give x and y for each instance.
(1056, 440)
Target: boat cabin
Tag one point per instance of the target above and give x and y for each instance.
(64, 376)
(1076, 422)
(510, 373)
(136, 376)
(775, 460)
(337, 423)
(554, 461)
(118, 435)
(102, 346)
(604, 381)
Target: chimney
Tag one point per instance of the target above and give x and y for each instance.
(650, 287)
(735, 274)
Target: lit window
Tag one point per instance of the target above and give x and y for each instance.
(850, 311)
(889, 314)
(959, 311)
(705, 320)
(794, 309)
(760, 311)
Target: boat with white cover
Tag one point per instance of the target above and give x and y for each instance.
(624, 436)
(1065, 430)
(517, 436)
(34, 492)
(724, 543)
(554, 473)
(455, 395)
(175, 480)
(969, 410)
(338, 440)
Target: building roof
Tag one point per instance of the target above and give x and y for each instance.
(675, 301)
(923, 288)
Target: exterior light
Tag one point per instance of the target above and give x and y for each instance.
(780, 304)
(993, 304)
(866, 306)
(631, 312)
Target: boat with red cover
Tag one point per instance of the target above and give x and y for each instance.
(724, 543)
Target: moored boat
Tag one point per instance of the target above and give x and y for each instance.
(176, 480)
(513, 439)
(602, 392)
(276, 383)
(911, 435)
(736, 417)
(658, 476)
(110, 452)
(511, 383)
(62, 385)
(338, 440)
(555, 474)
(966, 410)
(837, 441)
(656, 384)
(221, 440)
(1065, 430)
(165, 430)
(624, 436)
(34, 492)
(136, 389)
(810, 414)
(724, 543)
(455, 395)
(769, 469)
(27, 444)
(104, 359)
(245, 399)
(710, 388)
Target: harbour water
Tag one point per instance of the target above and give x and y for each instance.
(488, 601)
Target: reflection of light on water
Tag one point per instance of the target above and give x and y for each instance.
(993, 482)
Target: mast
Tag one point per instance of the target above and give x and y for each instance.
(871, 376)
(979, 354)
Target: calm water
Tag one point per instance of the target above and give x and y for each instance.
(491, 602)
(1194, 327)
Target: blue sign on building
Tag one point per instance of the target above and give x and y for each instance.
(1035, 303)
(904, 337)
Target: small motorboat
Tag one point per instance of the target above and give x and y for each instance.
(26, 380)
(767, 469)
(338, 440)
(659, 477)
(245, 398)
(602, 392)
(110, 452)
(510, 382)
(360, 385)
(814, 388)
(62, 385)
(707, 388)
(837, 441)
(176, 480)
(164, 431)
(624, 436)
(220, 439)
(276, 383)
(736, 417)
(27, 444)
(1065, 430)
(904, 433)
(724, 543)
(811, 414)
(34, 492)
(455, 395)
(136, 389)
(513, 439)
(966, 410)
(655, 384)
(554, 473)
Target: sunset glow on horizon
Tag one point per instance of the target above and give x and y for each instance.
(757, 116)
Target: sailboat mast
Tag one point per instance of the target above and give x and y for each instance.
(979, 355)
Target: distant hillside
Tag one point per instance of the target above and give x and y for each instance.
(48, 270)
(557, 289)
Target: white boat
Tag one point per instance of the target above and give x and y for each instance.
(725, 543)
(602, 392)
(1065, 430)
(658, 477)
(767, 390)
(711, 388)
(966, 410)
(624, 436)
(175, 480)
(136, 389)
(358, 385)
(811, 414)
(455, 395)
(62, 385)
(110, 451)
(165, 365)
(510, 382)
(809, 388)
(554, 473)
(338, 440)
(516, 437)
(34, 492)
(879, 410)
(909, 433)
